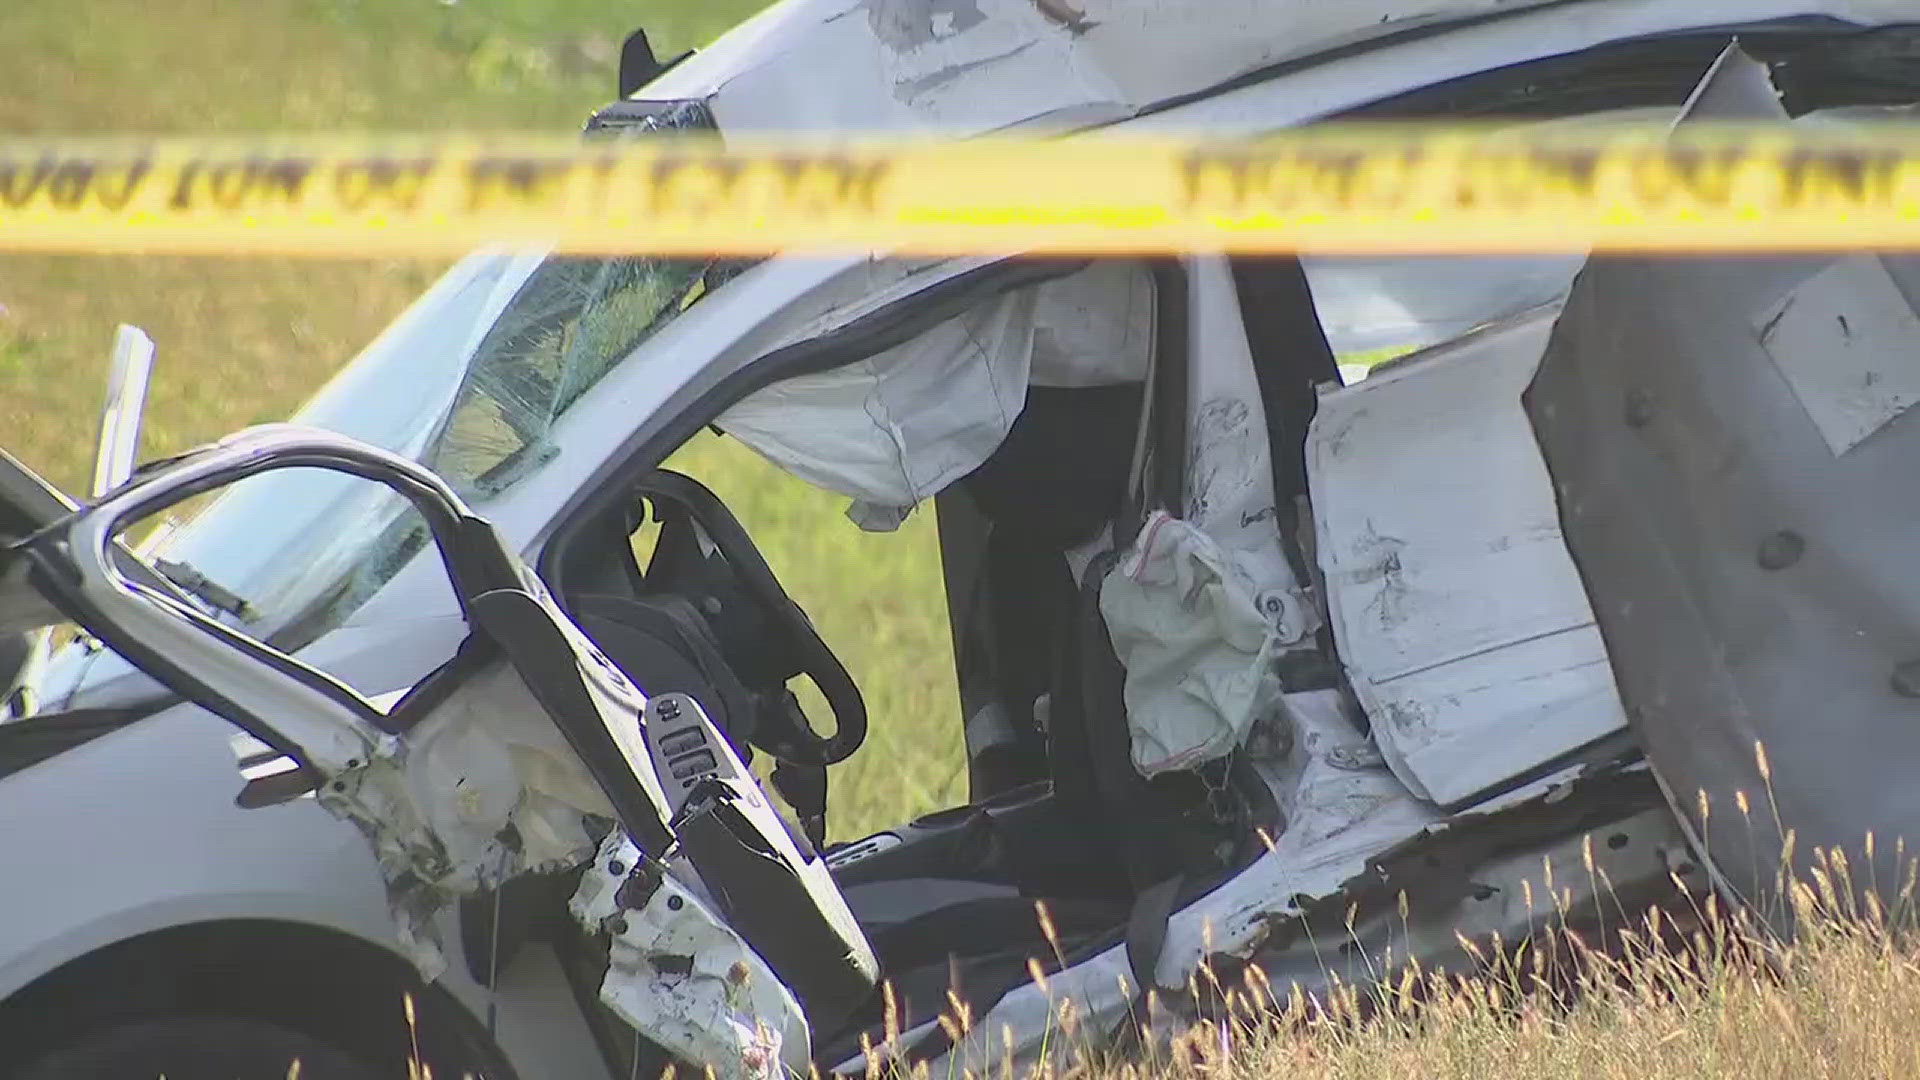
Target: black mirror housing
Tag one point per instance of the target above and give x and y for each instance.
(638, 65)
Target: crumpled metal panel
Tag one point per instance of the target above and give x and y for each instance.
(977, 65)
(1461, 621)
(1753, 575)
(971, 66)
(682, 977)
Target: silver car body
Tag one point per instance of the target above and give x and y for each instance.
(136, 834)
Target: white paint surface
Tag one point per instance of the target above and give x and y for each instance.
(1843, 340)
(1458, 611)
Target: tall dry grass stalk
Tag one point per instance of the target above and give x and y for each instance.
(1716, 992)
(1726, 999)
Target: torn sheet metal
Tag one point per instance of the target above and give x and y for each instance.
(1755, 588)
(1229, 475)
(679, 975)
(970, 66)
(489, 758)
(1344, 816)
(1843, 340)
(896, 428)
(1464, 627)
(976, 65)
(1374, 303)
(483, 789)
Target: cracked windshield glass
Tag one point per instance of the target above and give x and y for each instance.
(469, 382)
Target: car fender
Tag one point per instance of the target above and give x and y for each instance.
(137, 831)
(157, 842)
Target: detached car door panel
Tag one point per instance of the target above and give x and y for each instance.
(1734, 451)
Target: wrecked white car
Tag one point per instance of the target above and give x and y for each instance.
(1259, 669)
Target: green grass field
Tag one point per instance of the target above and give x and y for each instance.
(242, 340)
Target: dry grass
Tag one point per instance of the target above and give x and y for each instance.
(1818, 975)
(1841, 1000)
(1722, 995)
(1842, 1003)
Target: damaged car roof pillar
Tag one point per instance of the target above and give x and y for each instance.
(384, 772)
(1732, 442)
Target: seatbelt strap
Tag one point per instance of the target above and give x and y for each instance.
(1133, 511)
(1152, 906)
(1147, 930)
(804, 787)
(1142, 843)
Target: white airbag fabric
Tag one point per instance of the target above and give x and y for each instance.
(897, 427)
(1198, 654)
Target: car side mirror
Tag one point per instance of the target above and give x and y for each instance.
(638, 65)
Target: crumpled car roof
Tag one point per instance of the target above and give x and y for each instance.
(976, 65)
(972, 66)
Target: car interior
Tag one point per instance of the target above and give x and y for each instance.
(1061, 840)
(1062, 849)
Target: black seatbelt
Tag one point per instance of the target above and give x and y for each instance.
(1155, 480)
(1147, 930)
(804, 788)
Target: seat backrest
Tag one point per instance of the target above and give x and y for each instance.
(1050, 486)
(1056, 482)
(1144, 822)
(666, 646)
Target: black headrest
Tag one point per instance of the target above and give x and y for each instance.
(666, 646)
(1062, 471)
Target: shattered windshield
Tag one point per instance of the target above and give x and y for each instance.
(571, 321)
(470, 382)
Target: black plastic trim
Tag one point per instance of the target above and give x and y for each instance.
(30, 741)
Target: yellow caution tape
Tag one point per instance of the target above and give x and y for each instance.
(1366, 189)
